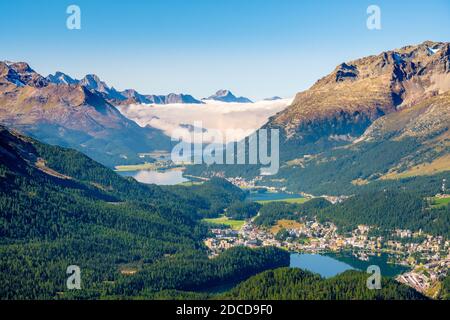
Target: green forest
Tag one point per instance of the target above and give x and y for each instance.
(386, 210)
(445, 290)
(297, 284)
(331, 171)
(77, 212)
(130, 240)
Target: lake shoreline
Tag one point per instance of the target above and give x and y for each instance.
(162, 176)
(330, 263)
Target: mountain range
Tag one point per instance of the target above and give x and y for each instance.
(82, 114)
(380, 117)
(394, 97)
(131, 96)
(128, 96)
(68, 114)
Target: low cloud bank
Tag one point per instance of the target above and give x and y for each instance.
(234, 120)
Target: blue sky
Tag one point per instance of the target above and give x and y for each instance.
(256, 48)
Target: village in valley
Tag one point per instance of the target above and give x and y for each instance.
(429, 259)
(426, 256)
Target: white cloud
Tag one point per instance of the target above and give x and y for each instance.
(214, 115)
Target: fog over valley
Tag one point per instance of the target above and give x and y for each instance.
(241, 118)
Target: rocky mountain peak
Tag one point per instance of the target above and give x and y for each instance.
(61, 78)
(20, 74)
(21, 67)
(71, 115)
(357, 92)
(93, 82)
(225, 95)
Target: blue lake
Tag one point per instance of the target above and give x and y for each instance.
(329, 265)
(264, 196)
(164, 178)
(323, 265)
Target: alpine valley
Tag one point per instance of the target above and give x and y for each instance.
(372, 122)
(365, 157)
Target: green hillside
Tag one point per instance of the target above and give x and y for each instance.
(296, 284)
(59, 208)
(130, 240)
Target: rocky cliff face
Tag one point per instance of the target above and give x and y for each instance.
(377, 118)
(347, 101)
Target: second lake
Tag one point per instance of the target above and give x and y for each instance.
(163, 178)
(329, 265)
